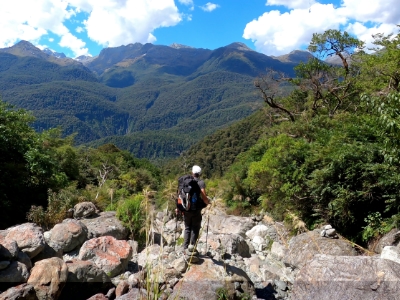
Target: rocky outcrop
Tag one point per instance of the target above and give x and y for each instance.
(347, 277)
(302, 248)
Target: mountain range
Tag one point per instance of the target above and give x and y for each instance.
(153, 100)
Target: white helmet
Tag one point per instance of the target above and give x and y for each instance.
(196, 169)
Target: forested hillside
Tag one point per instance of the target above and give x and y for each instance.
(139, 97)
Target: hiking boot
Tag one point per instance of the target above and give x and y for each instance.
(192, 252)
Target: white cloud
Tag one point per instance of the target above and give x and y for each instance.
(79, 29)
(186, 2)
(108, 22)
(209, 7)
(291, 3)
(365, 34)
(276, 33)
(116, 22)
(76, 45)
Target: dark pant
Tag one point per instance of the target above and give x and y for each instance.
(192, 221)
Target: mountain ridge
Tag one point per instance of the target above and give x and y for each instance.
(137, 88)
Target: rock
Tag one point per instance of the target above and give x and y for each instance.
(391, 253)
(227, 243)
(4, 264)
(29, 238)
(278, 251)
(392, 238)
(226, 224)
(328, 277)
(150, 255)
(48, 252)
(8, 249)
(22, 292)
(134, 294)
(84, 210)
(258, 230)
(107, 253)
(106, 224)
(180, 264)
(303, 247)
(122, 288)
(48, 277)
(203, 280)
(67, 235)
(24, 259)
(98, 296)
(15, 273)
(84, 280)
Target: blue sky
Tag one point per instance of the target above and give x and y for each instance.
(273, 27)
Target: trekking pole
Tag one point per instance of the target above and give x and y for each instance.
(208, 219)
(176, 226)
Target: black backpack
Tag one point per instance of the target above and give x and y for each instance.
(189, 194)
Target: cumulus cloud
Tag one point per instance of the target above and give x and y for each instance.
(107, 22)
(113, 23)
(209, 7)
(276, 33)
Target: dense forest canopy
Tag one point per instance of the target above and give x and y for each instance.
(326, 151)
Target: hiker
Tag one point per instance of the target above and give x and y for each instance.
(192, 215)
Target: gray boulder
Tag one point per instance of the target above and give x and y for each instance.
(15, 273)
(328, 277)
(227, 224)
(29, 238)
(67, 235)
(303, 247)
(105, 224)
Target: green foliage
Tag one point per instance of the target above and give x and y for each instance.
(380, 70)
(57, 206)
(131, 213)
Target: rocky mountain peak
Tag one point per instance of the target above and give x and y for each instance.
(296, 56)
(239, 46)
(54, 53)
(179, 46)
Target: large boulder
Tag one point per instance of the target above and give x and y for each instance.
(107, 253)
(392, 238)
(203, 280)
(303, 247)
(48, 278)
(226, 224)
(67, 235)
(105, 224)
(84, 280)
(328, 277)
(29, 238)
(226, 243)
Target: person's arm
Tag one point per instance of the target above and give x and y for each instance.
(204, 196)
